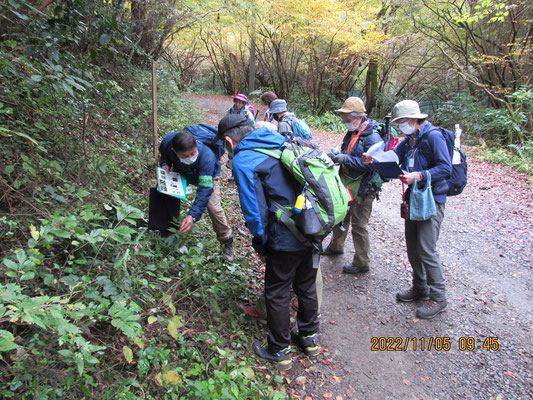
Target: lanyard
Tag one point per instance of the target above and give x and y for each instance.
(355, 138)
(411, 159)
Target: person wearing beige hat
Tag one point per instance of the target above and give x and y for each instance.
(362, 134)
(423, 153)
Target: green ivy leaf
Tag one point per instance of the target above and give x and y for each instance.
(128, 354)
(34, 232)
(10, 43)
(173, 325)
(139, 342)
(10, 264)
(27, 276)
(7, 341)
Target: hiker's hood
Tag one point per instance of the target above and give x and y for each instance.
(262, 138)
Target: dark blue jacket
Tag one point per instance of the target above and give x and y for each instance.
(354, 162)
(201, 173)
(261, 179)
(431, 156)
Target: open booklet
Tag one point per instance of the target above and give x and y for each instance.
(386, 162)
(171, 183)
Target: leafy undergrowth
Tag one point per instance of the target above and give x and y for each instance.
(92, 304)
(326, 122)
(518, 157)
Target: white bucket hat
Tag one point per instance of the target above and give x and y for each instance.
(407, 109)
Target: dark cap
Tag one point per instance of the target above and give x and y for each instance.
(229, 122)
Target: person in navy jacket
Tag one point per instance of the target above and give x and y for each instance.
(261, 181)
(362, 134)
(423, 153)
(198, 164)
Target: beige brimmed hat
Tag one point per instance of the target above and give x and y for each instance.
(407, 109)
(352, 105)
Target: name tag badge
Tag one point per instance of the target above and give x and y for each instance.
(411, 163)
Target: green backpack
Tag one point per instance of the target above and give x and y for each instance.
(326, 197)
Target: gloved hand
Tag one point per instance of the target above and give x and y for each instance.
(332, 152)
(339, 158)
(259, 246)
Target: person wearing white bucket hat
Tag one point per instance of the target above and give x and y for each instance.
(423, 153)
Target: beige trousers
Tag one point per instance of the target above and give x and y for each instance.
(359, 215)
(218, 216)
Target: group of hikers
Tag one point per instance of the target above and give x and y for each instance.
(267, 190)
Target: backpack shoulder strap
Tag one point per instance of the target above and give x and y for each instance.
(274, 153)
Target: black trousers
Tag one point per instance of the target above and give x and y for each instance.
(284, 269)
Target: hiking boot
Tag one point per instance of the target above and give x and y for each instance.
(251, 311)
(281, 359)
(328, 251)
(227, 252)
(431, 309)
(354, 269)
(308, 344)
(412, 294)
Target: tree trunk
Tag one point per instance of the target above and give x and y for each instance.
(371, 85)
(251, 76)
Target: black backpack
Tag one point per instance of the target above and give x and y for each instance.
(205, 134)
(458, 178)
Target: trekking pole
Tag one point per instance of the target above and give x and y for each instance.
(388, 117)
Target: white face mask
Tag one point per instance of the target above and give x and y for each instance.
(406, 128)
(190, 160)
(350, 126)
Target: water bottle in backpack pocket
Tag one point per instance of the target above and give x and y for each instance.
(308, 220)
(458, 178)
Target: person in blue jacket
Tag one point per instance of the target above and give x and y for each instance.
(263, 182)
(362, 134)
(198, 164)
(423, 153)
(240, 106)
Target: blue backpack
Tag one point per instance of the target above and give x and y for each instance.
(301, 129)
(206, 133)
(458, 178)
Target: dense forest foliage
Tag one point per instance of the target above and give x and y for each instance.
(92, 305)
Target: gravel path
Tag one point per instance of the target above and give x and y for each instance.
(486, 246)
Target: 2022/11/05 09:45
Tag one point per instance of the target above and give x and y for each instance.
(432, 343)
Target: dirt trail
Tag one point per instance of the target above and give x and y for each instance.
(486, 246)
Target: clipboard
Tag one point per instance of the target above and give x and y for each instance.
(171, 183)
(388, 170)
